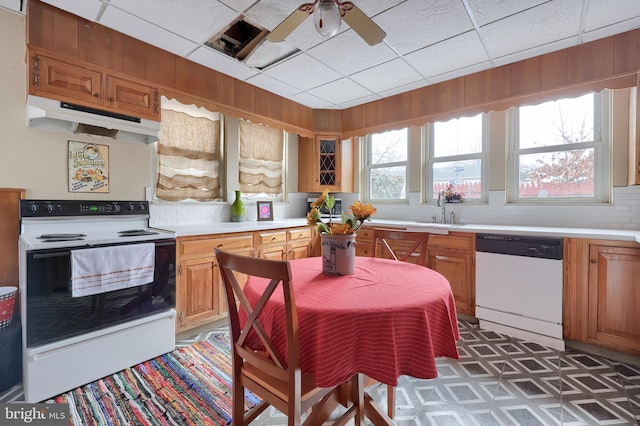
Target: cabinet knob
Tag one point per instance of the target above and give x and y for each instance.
(111, 99)
(594, 261)
(97, 95)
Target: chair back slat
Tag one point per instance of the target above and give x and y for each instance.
(412, 244)
(280, 274)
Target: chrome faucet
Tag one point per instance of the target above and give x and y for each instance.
(442, 204)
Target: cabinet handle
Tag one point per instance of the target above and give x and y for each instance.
(594, 261)
(97, 95)
(111, 99)
(273, 238)
(220, 245)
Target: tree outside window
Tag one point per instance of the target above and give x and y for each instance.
(558, 150)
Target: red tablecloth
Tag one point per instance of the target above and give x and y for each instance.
(388, 319)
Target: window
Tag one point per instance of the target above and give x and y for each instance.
(558, 152)
(386, 157)
(261, 159)
(189, 151)
(457, 152)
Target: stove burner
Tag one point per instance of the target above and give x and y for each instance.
(48, 238)
(136, 232)
(59, 240)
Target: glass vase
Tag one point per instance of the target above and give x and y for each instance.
(237, 209)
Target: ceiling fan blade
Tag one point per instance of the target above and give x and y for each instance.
(291, 22)
(361, 23)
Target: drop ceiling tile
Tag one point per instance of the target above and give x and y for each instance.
(551, 21)
(401, 89)
(387, 76)
(310, 101)
(359, 101)
(238, 5)
(348, 53)
(145, 31)
(455, 53)
(485, 11)
(460, 72)
(268, 53)
(621, 27)
(272, 85)
(215, 60)
(340, 91)
(536, 51)
(602, 13)
(415, 24)
(88, 9)
(302, 71)
(197, 22)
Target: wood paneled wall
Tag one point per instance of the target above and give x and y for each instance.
(611, 63)
(607, 63)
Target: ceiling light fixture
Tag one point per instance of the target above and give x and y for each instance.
(327, 18)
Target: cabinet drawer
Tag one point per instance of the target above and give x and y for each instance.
(364, 249)
(276, 237)
(365, 234)
(299, 234)
(206, 246)
(449, 241)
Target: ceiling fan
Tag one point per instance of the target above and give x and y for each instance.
(327, 16)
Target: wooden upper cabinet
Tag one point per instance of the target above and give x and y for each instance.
(125, 95)
(63, 80)
(92, 87)
(324, 163)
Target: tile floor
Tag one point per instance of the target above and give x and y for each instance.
(500, 380)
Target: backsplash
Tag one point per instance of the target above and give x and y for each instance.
(623, 214)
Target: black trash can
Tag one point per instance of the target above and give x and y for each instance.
(10, 355)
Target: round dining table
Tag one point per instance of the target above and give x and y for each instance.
(388, 319)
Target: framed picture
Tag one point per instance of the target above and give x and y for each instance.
(265, 210)
(88, 165)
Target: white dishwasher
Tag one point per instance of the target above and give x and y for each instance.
(519, 287)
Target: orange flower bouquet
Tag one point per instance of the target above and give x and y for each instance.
(351, 221)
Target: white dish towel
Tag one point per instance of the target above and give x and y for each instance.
(102, 269)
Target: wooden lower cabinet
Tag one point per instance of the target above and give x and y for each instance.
(602, 295)
(453, 256)
(200, 292)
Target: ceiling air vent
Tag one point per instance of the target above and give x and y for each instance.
(238, 40)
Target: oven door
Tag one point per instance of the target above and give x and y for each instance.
(52, 314)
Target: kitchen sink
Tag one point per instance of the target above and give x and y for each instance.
(433, 228)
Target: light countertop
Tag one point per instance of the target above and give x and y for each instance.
(435, 228)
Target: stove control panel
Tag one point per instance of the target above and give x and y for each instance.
(61, 208)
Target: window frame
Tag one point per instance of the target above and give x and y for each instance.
(367, 167)
(429, 149)
(602, 143)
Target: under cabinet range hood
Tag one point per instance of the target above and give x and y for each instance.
(49, 114)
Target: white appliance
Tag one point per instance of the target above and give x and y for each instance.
(69, 340)
(519, 287)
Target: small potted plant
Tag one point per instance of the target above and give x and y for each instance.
(452, 196)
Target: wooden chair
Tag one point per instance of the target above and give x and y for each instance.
(412, 245)
(264, 372)
(408, 245)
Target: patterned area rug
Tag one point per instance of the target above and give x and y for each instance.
(189, 386)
